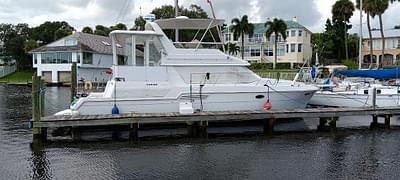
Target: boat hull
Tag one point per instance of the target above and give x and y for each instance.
(353, 100)
(210, 101)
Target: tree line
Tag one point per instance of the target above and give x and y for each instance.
(336, 45)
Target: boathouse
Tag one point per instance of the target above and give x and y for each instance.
(92, 53)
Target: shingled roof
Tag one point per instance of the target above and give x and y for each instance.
(86, 42)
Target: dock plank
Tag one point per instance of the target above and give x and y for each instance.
(148, 118)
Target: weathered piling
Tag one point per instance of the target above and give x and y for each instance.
(39, 133)
(73, 81)
(134, 131)
(268, 128)
(327, 123)
(197, 129)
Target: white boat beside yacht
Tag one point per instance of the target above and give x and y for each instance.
(352, 92)
(158, 77)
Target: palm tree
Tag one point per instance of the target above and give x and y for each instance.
(367, 8)
(240, 28)
(342, 11)
(378, 8)
(276, 26)
(232, 48)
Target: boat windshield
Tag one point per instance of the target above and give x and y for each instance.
(138, 49)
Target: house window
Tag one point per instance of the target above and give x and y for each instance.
(292, 47)
(57, 58)
(281, 50)
(293, 33)
(255, 52)
(268, 52)
(258, 37)
(121, 60)
(87, 58)
(287, 48)
(35, 58)
(228, 37)
(287, 33)
(398, 44)
(246, 51)
(279, 38)
(300, 33)
(78, 58)
(70, 42)
(299, 47)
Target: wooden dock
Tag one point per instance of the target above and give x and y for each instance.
(198, 122)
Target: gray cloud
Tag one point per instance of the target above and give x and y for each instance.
(81, 13)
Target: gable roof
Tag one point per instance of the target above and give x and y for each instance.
(85, 42)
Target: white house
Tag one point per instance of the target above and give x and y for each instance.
(92, 53)
(257, 48)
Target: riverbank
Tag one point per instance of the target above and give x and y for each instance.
(18, 78)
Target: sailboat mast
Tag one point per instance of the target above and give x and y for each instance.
(361, 37)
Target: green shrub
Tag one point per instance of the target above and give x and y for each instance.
(351, 64)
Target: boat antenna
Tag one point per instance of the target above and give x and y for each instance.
(361, 37)
(176, 15)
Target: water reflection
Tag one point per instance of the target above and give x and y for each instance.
(39, 162)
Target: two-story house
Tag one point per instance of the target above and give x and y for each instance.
(296, 48)
(92, 53)
(392, 48)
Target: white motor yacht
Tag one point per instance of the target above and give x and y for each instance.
(159, 78)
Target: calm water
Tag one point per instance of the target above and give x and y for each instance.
(347, 154)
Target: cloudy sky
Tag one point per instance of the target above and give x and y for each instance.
(80, 13)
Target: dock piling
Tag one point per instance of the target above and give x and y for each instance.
(374, 123)
(269, 126)
(327, 123)
(197, 129)
(387, 121)
(133, 131)
(39, 133)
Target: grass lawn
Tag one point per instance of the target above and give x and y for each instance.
(18, 77)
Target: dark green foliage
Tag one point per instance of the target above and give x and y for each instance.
(102, 30)
(351, 64)
(87, 30)
(119, 26)
(139, 24)
(51, 31)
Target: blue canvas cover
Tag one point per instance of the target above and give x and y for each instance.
(377, 74)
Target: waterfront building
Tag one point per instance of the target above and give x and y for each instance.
(392, 48)
(296, 48)
(92, 53)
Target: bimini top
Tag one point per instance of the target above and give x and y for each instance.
(377, 74)
(182, 22)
